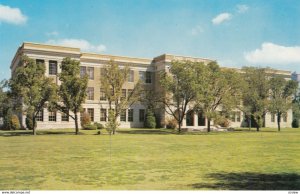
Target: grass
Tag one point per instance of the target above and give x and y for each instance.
(146, 159)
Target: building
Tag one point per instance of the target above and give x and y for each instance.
(96, 104)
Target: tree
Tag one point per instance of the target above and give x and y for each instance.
(256, 94)
(181, 86)
(72, 91)
(281, 96)
(6, 105)
(112, 81)
(32, 88)
(222, 91)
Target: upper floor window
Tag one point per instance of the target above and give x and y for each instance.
(102, 94)
(142, 76)
(90, 72)
(90, 93)
(40, 61)
(82, 71)
(52, 67)
(123, 97)
(131, 76)
(148, 77)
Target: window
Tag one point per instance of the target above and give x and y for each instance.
(238, 116)
(52, 67)
(148, 77)
(52, 116)
(81, 113)
(142, 75)
(91, 113)
(232, 117)
(129, 93)
(40, 61)
(284, 117)
(39, 116)
(102, 94)
(64, 116)
(131, 76)
(103, 114)
(130, 115)
(123, 115)
(90, 72)
(90, 93)
(82, 71)
(272, 118)
(142, 115)
(123, 97)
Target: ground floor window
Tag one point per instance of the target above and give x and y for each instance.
(91, 113)
(272, 118)
(103, 114)
(64, 115)
(123, 115)
(52, 116)
(142, 115)
(40, 116)
(130, 115)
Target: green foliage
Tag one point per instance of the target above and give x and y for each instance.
(89, 127)
(256, 94)
(295, 123)
(150, 121)
(85, 119)
(15, 123)
(99, 125)
(112, 123)
(30, 86)
(221, 121)
(112, 81)
(7, 119)
(30, 123)
(72, 90)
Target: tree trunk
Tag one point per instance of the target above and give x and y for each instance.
(257, 124)
(179, 127)
(76, 124)
(278, 120)
(208, 125)
(34, 124)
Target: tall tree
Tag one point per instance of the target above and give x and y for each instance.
(281, 96)
(256, 93)
(112, 81)
(181, 85)
(222, 91)
(31, 87)
(72, 91)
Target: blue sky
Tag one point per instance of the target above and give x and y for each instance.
(235, 33)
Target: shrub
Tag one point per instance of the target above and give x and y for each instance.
(29, 121)
(89, 127)
(85, 119)
(223, 122)
(295, 123)
(150, 120)
(15, 123)
(99, 125)
(171, 124)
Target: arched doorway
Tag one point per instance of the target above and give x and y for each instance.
(201, 119)
(190, 118)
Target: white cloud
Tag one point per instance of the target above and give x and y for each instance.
(53, 33)
(221, 18)
(197, 30)
(270, 54)
(78, 43)
(12, 15)
(242, 8)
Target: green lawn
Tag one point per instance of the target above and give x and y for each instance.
(150, 159)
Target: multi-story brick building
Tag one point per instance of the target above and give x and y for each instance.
(96, 104)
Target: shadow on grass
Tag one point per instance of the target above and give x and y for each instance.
(251, 181)
(148, 131)
(29, 133)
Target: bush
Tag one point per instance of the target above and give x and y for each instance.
(171, 124)
(15, 123)
(85, 119)
(29, 121)
(150, 120)
(99, 125)
(295, 123)
(89, 127)
(223, 122)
